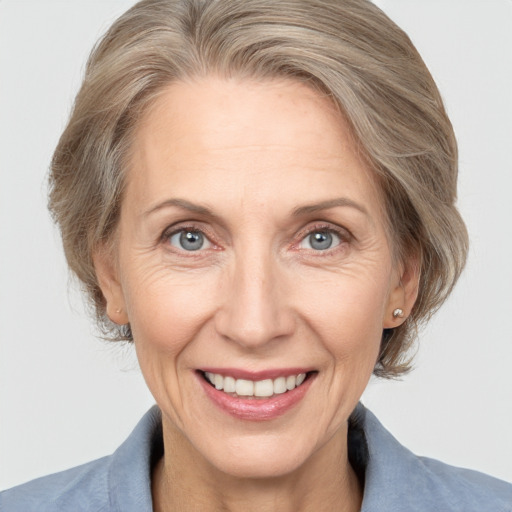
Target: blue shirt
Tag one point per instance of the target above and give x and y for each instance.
(396, 480)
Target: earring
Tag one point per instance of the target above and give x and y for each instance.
(118, 311)
(398, 313)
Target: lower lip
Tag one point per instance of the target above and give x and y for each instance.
(256, 409)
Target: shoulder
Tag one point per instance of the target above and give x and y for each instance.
(81, 488)
(398, 480)
(120, 482)
(464, 489)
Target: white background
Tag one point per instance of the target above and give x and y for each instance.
(66, 398)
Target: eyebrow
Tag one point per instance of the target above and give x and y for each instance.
(297, 212)
(183, 204)
(326, 205)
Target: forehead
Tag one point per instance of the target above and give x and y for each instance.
(218, 137)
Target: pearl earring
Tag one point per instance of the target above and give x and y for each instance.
(398, 313)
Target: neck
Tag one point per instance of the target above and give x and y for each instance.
(184, 481)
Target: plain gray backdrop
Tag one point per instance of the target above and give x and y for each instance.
(66, 397)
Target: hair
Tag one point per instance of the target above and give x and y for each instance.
(347, 49)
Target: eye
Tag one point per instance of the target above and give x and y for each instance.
(320, 240)
(189, 240)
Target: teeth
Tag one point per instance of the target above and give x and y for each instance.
(243, 387)
(260, 388)
(264, 388)
(280, 385)
(229, 385)
(291, 382)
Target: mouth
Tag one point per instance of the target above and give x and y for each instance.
(258, 396)
(255, 389)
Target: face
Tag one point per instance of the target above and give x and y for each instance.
(252, 258)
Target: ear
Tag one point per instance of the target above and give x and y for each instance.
(107, 274)
(403, 294)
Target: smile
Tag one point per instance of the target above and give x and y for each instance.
(258, 389)
(260, 396)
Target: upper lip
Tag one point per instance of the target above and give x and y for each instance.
(273, 373)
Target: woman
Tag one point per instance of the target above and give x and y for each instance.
(261, 197)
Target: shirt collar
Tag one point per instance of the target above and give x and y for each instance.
(130, 471)
(394, 478)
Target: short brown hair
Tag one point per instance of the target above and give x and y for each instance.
(348, 49)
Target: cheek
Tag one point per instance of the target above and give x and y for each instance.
(166, 317)
(347, 313)
(164, 309)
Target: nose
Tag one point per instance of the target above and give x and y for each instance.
(254, 310)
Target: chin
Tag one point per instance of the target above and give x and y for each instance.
(260, 464)
(262, 456)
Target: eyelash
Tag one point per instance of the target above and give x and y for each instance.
(174, 230)
(343, 234)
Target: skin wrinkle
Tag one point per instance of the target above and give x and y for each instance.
(210, 217)
(258, 300)
(373, 91)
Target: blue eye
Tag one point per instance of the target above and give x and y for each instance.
(189, 240)
(321, 240)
